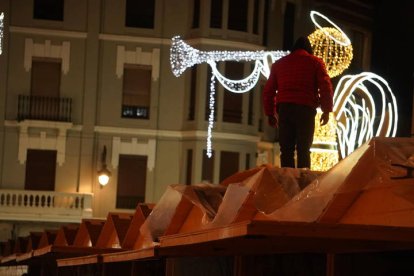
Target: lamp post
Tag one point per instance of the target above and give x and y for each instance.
(103, 174)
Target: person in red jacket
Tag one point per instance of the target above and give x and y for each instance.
(297, 85)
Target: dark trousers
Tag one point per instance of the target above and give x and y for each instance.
(296, 128)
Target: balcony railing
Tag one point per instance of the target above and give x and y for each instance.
(44, 206)
(44, 108)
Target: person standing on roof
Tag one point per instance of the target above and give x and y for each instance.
(297, 85)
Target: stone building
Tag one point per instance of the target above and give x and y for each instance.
(88, 84)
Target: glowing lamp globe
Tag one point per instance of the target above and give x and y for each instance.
(337, 56)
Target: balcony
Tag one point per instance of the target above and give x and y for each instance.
(25, 205)
(44, 108)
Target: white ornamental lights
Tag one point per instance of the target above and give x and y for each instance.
(359, 116)
(1, 32)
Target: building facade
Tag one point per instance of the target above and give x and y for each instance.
(88, 84)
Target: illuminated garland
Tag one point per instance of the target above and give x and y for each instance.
(1, 32)
(211, 116)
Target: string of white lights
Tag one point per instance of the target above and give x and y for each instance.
(238, 86)
(1, 32)
(211, 116)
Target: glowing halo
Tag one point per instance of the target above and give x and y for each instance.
(346, 41)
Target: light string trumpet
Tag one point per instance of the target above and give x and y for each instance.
(183, 56)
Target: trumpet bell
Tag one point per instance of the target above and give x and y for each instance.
(182, 56)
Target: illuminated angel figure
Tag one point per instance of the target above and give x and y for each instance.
(358, 115)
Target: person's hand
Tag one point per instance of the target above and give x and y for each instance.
(273, 120)
(324, 118)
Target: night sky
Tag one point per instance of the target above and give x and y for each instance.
(393, 54)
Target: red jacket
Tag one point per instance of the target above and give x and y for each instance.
(298, 78)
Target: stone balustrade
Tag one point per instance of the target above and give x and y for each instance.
(26, 205)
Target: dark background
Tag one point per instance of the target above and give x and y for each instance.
(392, 54)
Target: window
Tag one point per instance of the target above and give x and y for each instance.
(265, 22)
(136, 91)
(46, 73)
(189, 167)
(44, 102)
(357, 39)
(140, 13)
(207, 173)
(40, 170)
(216, 14)
(232, 102)
(250, 114)
(237, 19)
(256, 17)
(247, 165)
(288, 26)
(48, 9)
(229, 164)
(196, 14)
(132, 176)
(193, 91)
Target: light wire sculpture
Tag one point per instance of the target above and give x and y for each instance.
(356, 117)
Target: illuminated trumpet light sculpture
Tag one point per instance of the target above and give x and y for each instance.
(183, 56)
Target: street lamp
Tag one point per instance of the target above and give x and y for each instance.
(103, 174)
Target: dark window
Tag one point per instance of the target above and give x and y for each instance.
(189, 167)
(250, 114)
(193, 88)
(216, 14)
(48, 9)
(232, 102)
(238, 15)
(261, 114)
(247, 165)
(132, 176)
(136, 91)
(140, 13)
(44, 102)
(256, 17)
(208, 90)
(40, 170)
(207, 172)
(229, 164)
(46, 75)
(265, 22)
(288, 26)
(357, 39)
(196, 14)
